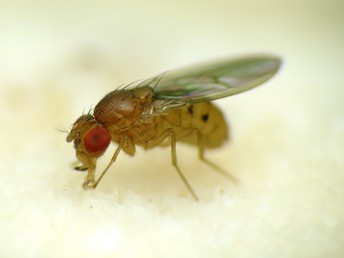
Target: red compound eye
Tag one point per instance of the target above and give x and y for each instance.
(97, 140)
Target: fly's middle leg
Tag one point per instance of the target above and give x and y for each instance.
(158, 140)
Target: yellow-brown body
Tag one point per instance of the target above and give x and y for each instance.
(123, 114)
(134, 117)
(165, 109)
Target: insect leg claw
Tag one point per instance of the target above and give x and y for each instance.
(80, 168)
(89, 184)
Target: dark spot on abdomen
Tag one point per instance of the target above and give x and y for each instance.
(205, 117)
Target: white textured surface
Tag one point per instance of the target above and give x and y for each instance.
(288, 136)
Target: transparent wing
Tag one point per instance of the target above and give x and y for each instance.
(219, 79)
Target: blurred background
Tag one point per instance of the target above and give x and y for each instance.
(59, 58)
(78, 51)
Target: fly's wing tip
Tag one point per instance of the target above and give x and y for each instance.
(218, 79)
(276, 62)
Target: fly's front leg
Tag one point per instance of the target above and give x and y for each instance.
(89, 180)
(88, 164)
(200, 142)
(113, 159)
(158, 140)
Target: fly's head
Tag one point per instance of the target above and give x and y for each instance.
(90, 142)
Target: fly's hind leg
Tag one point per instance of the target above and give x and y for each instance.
(158, 140)
(200, 142)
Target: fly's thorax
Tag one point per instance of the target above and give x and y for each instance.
(122, 108)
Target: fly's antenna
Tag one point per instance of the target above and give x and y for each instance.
(61, 129)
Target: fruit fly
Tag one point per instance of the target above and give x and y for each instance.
(160, 111)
